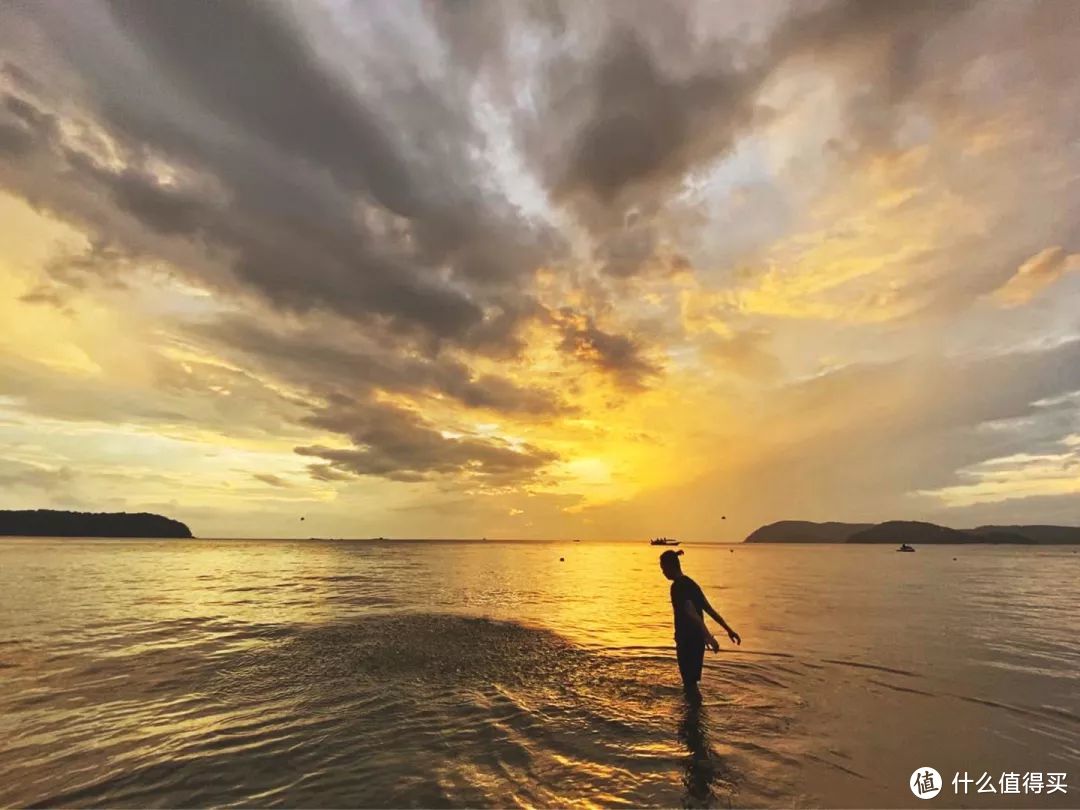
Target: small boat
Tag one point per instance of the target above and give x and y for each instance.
(663, 541)
(905, 547)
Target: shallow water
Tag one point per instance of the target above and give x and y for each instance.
(425, 674)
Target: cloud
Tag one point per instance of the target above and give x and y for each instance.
(20, 126)
(618, 355)
(302, 189)
(398, 444)
(309, 194)
(170, 394)
(34, 121)
(328, 364)
(1035, 275)
(872, 441)
(646, 114)
(17, 475)
(325, 472)
(744, 352)
(244, 63)
(420, 242)
(271, 479)
(632, 125)
(625, 126)
(70, 272)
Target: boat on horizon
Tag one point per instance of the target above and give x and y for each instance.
(905, 547)
(663, 541)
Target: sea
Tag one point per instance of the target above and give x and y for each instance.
(427, 673)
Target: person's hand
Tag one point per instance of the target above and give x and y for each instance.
(712, 643)
(734, 637)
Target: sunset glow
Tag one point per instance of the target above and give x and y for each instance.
(540, 271)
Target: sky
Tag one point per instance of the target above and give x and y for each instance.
(591, 270)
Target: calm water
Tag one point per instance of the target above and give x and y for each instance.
(196, 673)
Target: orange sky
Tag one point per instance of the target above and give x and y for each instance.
(604, 270)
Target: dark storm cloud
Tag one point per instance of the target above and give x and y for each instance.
(394, 443)
(31, 116)
(164, 209)
(358, 189)
(15, 141)
(373, 203)
(620, 129)
(96, 260)
(301, 261)
(23, 126)
(327, 368)
(241, 62)
(840, 25)
(879, 48)
(67, 273)
(319, 199)
(19, 77)
(645, 127)
(295, 183)
(616, 354)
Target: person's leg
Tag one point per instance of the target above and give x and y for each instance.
(691, 658)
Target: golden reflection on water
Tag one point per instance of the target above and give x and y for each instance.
(497, 673)
(704, 771)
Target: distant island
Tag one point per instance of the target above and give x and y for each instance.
(909, 531)
(51, 523)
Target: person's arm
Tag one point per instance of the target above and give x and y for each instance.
(735, 639)
(691, 611)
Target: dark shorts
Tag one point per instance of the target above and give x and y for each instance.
(691, 656)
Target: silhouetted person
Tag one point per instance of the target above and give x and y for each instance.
(689, 605)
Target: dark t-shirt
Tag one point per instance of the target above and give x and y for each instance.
(686, 629)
